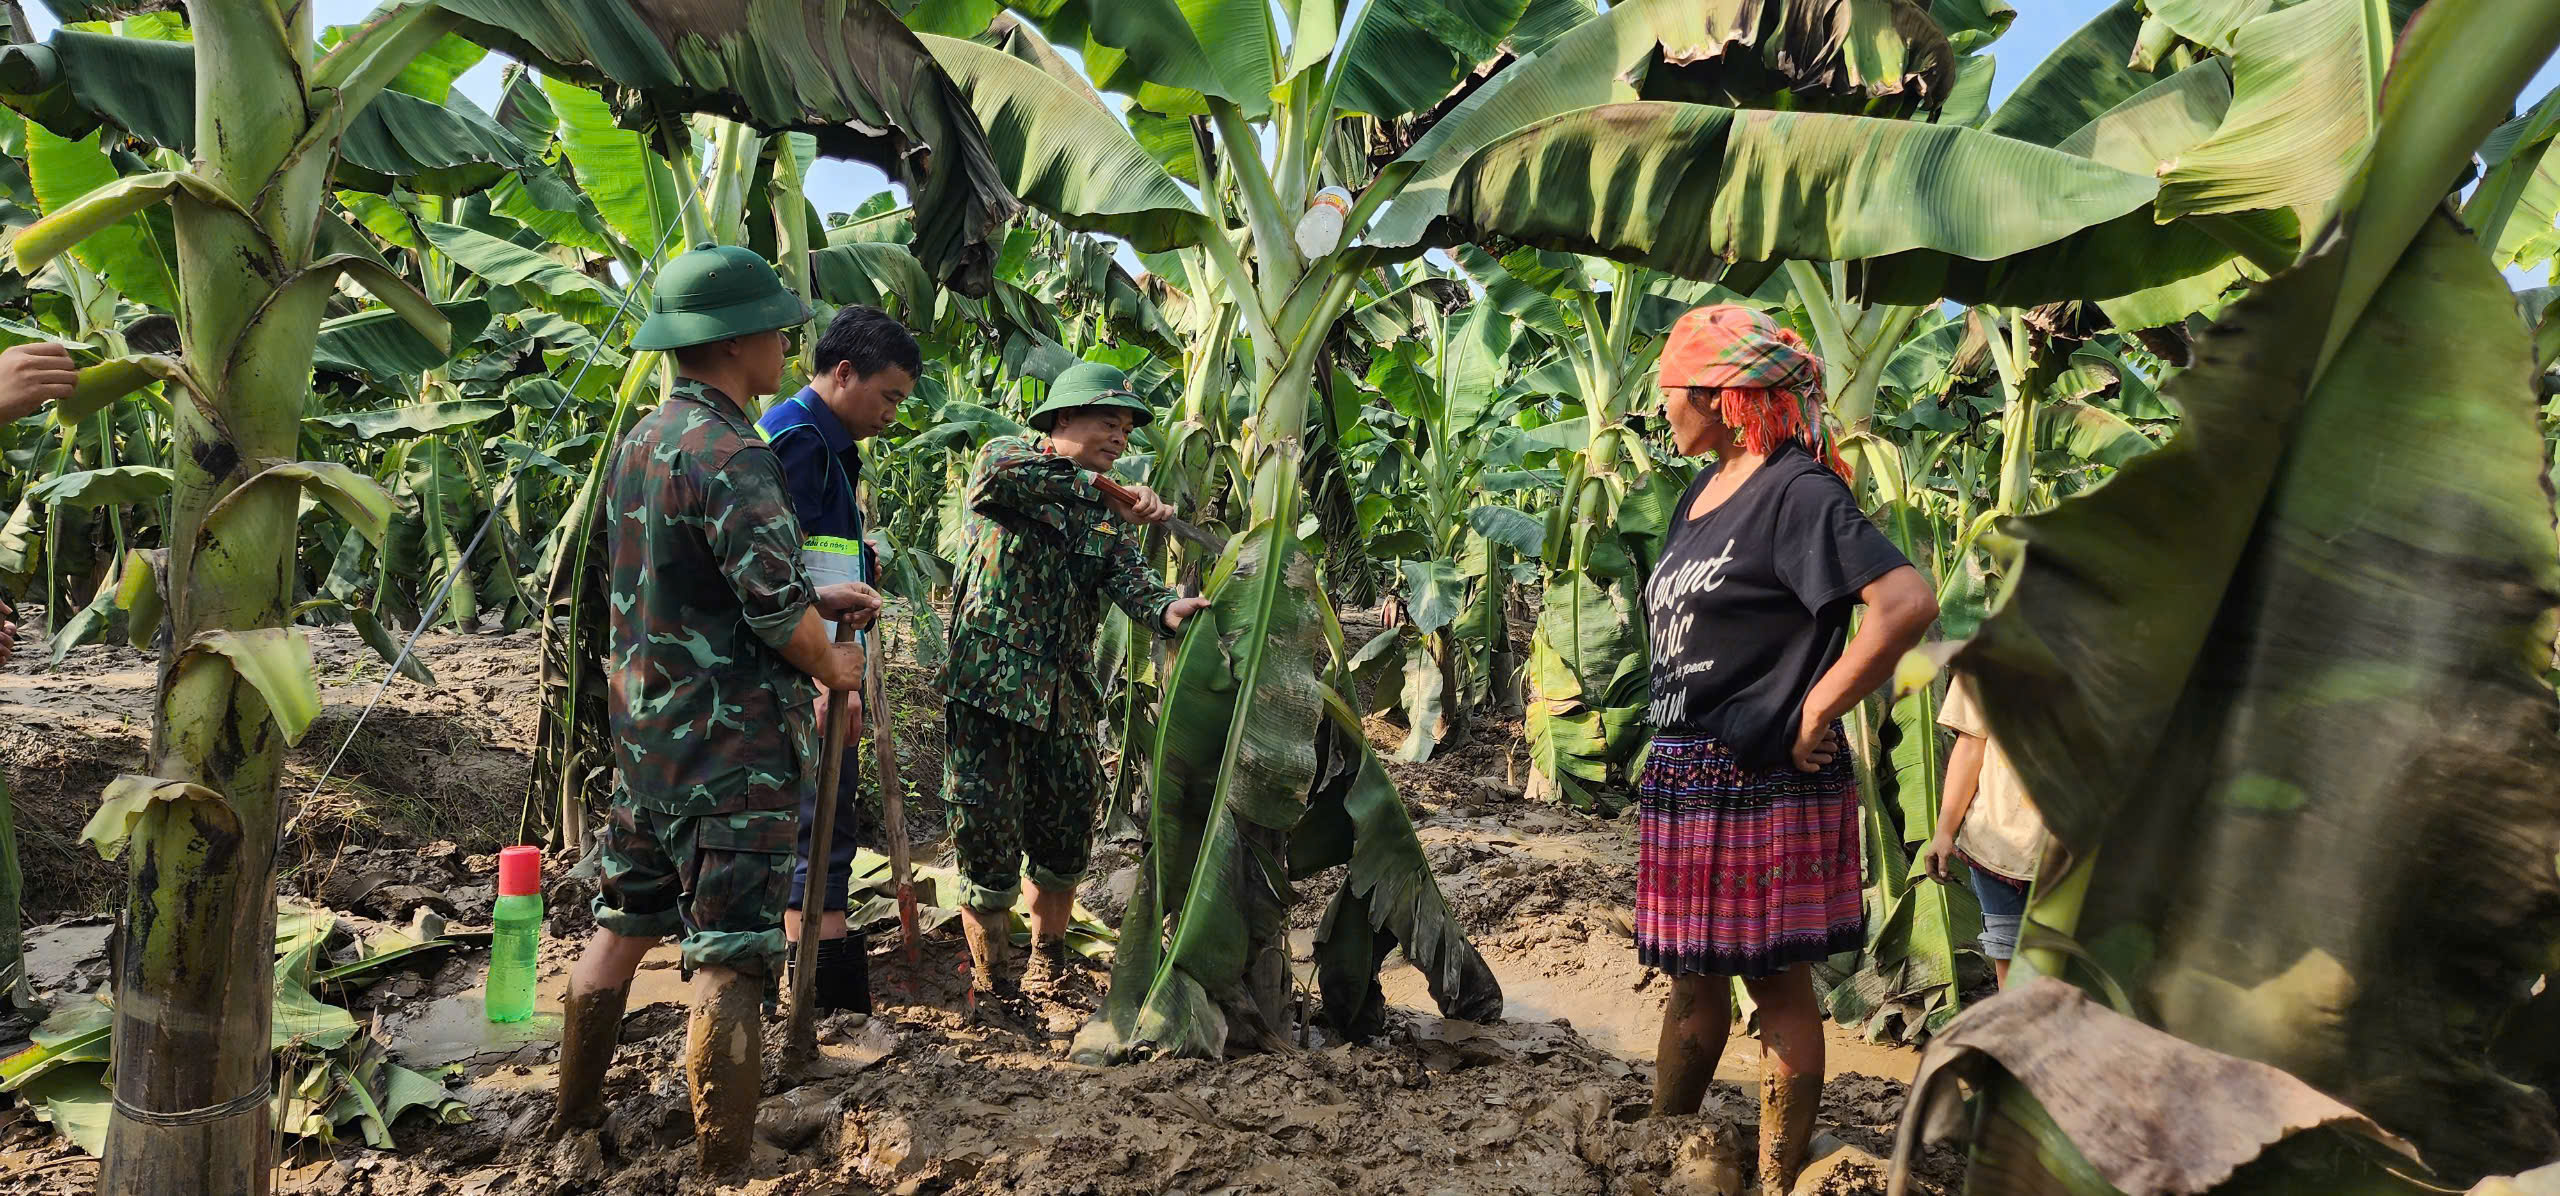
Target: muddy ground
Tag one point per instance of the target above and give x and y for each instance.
(922, 1100)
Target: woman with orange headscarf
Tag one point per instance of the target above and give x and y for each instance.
(1748, 805)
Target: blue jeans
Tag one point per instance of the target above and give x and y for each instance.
(2004, 904)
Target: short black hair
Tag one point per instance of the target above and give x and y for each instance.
(868, 338)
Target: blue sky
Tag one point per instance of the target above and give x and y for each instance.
(839, 186)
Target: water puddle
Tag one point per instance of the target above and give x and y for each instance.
(455, 1029)
(54, 953)
(1602, 1002)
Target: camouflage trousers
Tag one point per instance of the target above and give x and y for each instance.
(1016, 792)
(719, 878)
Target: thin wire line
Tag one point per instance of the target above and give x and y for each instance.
(435, 605)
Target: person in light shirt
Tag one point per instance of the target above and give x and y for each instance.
(1985, 818)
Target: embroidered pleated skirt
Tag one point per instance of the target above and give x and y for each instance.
(1744, 872)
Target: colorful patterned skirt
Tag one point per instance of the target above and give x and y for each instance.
(1744, 872)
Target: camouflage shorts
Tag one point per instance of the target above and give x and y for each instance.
(720, 878)
(1018, 792)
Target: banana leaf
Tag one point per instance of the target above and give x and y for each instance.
(75, 82)
(114, 485)
(1253, 787)
(417, 419)
(1589, 670)
(1160, 49)
(2301, 112)
(2278, 686)
(2089, 73)
(1071, 159)
(385, 348)
(137, 255)
(1388, 899)
(1236, 746)
(844, 71)
(1404, 55)
(1687, 188)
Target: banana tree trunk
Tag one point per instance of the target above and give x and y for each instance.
(1287, 382)
(194, 970)
(14, 991)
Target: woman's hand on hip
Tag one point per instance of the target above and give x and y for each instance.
(1815, 744)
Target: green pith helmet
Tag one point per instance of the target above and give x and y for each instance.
(1090, 384)
(712, 293)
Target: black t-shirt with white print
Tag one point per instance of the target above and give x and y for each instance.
(1751, 603)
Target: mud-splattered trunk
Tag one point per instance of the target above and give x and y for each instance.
(194, 975)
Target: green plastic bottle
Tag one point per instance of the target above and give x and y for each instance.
(515, 938)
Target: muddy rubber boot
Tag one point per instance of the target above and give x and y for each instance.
(1787, 1106)
(1047, 969)
(590, 1027)
(724, 1067)
(990, 951)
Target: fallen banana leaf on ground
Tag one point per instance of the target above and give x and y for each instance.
(1087, 934)
(2148, 1111)
(333, 1072)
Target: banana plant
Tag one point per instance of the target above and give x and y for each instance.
(269, 131)
(2337, 677)
(1588, 663)
(1446, 406)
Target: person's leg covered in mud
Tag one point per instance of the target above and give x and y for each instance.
(986, 777)
(736, 870)
(1057, 837)
(635, 907)
(1694, 1025)
(1791, 1066)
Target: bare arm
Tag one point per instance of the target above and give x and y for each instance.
(1964, 777)
(1900, 608)
(812, 650)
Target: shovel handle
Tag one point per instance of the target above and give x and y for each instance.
(1112, 489)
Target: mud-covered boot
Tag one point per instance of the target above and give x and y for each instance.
(724, 1068)
(1787, 1106)
(590, 1027)
(994, 998)
(1046, 971)
(990, 951)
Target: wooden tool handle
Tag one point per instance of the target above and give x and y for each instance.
(800, 1037)
(1112, 489)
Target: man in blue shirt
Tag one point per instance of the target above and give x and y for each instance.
(866, 365)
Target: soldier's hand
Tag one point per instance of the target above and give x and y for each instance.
(32, 376)
(1182, 608)
(8, 633)
(826, 699)
(849, 602)
(1143, 507)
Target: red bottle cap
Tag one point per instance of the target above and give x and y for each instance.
(520, 872)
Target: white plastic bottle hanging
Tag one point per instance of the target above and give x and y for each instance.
(1320, 230)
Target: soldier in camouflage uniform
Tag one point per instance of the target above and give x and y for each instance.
(1044, 551)
(716, 636)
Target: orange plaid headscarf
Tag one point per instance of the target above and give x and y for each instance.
(1769, 385)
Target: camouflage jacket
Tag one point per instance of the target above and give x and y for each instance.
(707, 586)
(1043, 554)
